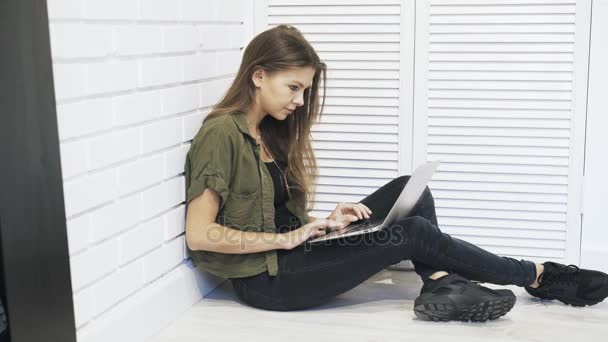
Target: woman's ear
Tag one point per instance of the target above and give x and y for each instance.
(258, 77)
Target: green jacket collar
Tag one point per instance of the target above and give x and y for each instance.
(241, 122)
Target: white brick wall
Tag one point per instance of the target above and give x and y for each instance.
(133, 82)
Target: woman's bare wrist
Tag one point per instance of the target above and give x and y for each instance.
(282, 240)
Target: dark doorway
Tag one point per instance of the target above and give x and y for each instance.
(33, 239)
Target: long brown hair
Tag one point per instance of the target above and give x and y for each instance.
(274, 50)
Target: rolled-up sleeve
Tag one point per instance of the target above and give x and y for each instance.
(209, 164)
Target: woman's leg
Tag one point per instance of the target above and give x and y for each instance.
(381, 201)
(311, 274)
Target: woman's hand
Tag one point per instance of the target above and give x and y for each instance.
(349, 212)
(312, 230)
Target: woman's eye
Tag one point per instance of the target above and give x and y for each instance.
(292, 87)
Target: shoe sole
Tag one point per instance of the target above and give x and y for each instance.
(572, 302)
(578, 303)
(487, 310)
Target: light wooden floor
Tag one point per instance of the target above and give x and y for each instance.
(381, 310)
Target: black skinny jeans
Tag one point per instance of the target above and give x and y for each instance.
(310, 274)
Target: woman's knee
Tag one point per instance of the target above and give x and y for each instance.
(404, 230)
(426, 198)
(402, 180)
(426, 193)
(398, 182)
(416, 227)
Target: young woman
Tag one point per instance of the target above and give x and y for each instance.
(250, 173)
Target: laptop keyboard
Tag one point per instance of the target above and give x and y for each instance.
(360, 226)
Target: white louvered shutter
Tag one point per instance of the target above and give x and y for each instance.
(494, 101)
(356, 142)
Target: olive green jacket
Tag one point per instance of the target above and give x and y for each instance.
(224, 156)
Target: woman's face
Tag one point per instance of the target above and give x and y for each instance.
(279, 94)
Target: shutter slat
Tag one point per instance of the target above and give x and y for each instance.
(503, 214)
(355, 46)
(308, 10)
(332, 91)
(501, 85)
(504, 196)
(523, 179)
(496, 2)
(354, 146)
(500, 150)
(530, 56)
(500, 75)
(363, 74)
(502, 28)
(504, 232)
(358, 119)
(357, 164)
(499, 205)
(346, 3)
(345, 28)
(499, 186)
(501, 94)
(499, 103)
(498, 141)
(374, 182)
(354, 137)
(495, 159)
(335, 19)
(500, 113)
(499, 66)
(352, 37)
(514, 9)
(525, 253)
(359, 83)
(464, 3)
(500, 38)
(356, 155)
(359, 101)
(349, 190)
(363, 65)
(545, 18)
(350, 172)
(461, 125)
(504, 47)
(361, 56)
(514, 242)
(327, 127)
(358, 110)
(481, 222)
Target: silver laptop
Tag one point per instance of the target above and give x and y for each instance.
(401, 208)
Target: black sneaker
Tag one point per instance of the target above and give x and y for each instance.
(455, 298)
(571, 285)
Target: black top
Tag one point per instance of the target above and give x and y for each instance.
(284, 220)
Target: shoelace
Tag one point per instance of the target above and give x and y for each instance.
(566, 276)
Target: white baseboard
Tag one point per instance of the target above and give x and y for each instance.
(594, 259)
(147, 312)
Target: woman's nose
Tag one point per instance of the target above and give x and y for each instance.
(298, 101)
